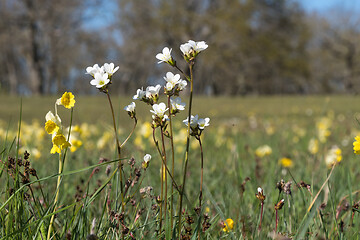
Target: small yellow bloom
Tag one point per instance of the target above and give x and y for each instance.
(286, 162)
(60, 141)
(55, 149)
(51, 127)
(228, 225)
(333, 156)
(357, 145)
(263, 151)
(75, 144)
(313, 146)
(67, 100)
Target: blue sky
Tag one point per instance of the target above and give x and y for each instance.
(323, 5)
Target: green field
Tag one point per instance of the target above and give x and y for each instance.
(238, 127)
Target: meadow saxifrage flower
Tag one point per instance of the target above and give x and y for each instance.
(100, 80)
(228, 225)
(147, 158)
(165, 56)
(356, 145)
(151, 94)
(131, 109)
(159, 110)
(140, 93)
(191, 49)
(67, 100)
(146, 161)
(176, 105)
(171, 80)
(193, 121)
(159, 117)
(109, 68)
(203, 122)
(94, 69)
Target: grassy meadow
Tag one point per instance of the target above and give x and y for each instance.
(296, 148)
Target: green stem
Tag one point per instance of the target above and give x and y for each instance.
(173, 164)
(56, 196)
(119, 152)
(201, 182)
(164, 172)
(187, 147)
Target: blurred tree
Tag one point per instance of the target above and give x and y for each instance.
(255, 46)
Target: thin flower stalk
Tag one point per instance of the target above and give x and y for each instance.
(172, 163)
(59, 178)
(187, 148)
(166, 168)
(201, 182)
(119, 152)
(131, 133)
(163, 171)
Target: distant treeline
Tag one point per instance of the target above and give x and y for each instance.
(255, 46)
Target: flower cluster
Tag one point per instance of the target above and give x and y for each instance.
(260, 195)
(191, 49)
(159, 117)
(102, 75)
(149, 96)
(53, 124)
(174, 84)
(197, 125)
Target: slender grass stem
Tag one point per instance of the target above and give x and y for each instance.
(187, 148)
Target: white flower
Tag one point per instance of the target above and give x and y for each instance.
(171, 80)
(190, 46)
(176, 104)
(182, 84)
(152, 91)
(198, 46)
(94, 69)
(193, 121)
(165, 56)
(109, 68)
(140, 93)
(202, 123)
(159, 110)
(259, 190)
(100, 80)
(130, 108)
(147, 158)
(185, 48)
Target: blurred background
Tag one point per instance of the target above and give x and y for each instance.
(255, 46)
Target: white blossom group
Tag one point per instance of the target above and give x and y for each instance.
(102, 75)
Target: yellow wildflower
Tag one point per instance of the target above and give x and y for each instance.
(67, 100)
(75, 144)
(286, 162)
(313, 146)
(51, 127)
(59, 140)
(357, 145)
(263, 151)
(55, 149)
(333, 156)
(228, 225)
